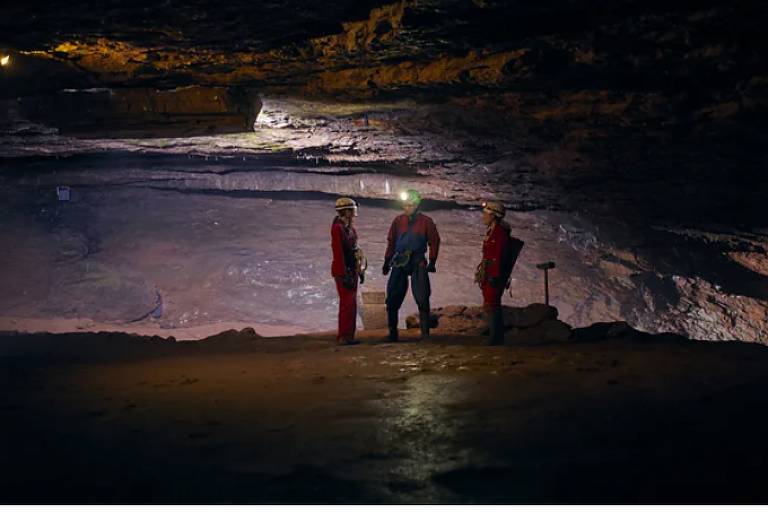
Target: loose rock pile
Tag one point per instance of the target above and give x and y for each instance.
(535, 323)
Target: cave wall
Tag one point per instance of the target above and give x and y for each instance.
(642, 121)
(143, 112)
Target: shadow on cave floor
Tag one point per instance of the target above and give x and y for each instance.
(298, 420)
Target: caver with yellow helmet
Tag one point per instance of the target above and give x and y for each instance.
(346, 203)
(494, 208)
(347, 267)
(407, 241)
(500, 252)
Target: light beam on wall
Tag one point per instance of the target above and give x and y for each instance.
(5, 60)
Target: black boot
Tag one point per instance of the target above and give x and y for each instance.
(424, 324)
(392, 324)
(495, 327)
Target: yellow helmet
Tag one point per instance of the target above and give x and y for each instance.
(495, 208)
(346, 203)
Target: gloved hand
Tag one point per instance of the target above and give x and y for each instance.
(386, 267)
(362, 278)
(494, 281)
(431, 266)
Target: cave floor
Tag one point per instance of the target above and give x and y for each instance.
(110, 418)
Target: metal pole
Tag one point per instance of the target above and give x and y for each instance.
(546, 267)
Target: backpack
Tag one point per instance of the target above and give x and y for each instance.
(509, 258)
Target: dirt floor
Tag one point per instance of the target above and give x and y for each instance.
(109, 418)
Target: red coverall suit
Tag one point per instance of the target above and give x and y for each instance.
(344, 271)
(495, 246)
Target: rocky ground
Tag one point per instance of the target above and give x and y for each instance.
(236, 418)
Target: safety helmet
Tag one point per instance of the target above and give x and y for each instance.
(411, 196)
(495, 208)
(346, 203)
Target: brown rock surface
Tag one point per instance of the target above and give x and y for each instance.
(639, 124)
(533, 323)
(548, 331)
(144, 112)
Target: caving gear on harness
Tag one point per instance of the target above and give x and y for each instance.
(401, 259)
(361, 263)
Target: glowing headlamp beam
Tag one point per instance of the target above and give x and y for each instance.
(403, 196)
(5, 60)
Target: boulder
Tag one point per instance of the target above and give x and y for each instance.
(248, 333)
(413, 322)
(604, 331)
(471, 319)
(548, 331)
(531, 315)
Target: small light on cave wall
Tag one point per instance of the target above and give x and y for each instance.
(5, 60)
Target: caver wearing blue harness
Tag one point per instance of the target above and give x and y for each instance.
(409, 237)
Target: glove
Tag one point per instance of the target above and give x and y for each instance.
(431, 266)
(362, 278)
(386, 267)
(494, 281)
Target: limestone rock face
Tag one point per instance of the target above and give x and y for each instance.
(640, 124)
(144, 112)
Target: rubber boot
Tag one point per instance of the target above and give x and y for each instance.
(392, 324)
(424, 324)
(495, 327)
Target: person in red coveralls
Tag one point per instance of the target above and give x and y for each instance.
(407, 242)
(494, 270)
(346, 268)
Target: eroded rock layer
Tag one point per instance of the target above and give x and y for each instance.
(144, 112)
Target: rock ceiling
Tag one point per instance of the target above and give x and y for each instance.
(355, 48)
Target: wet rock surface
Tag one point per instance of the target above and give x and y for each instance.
(110, 418)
